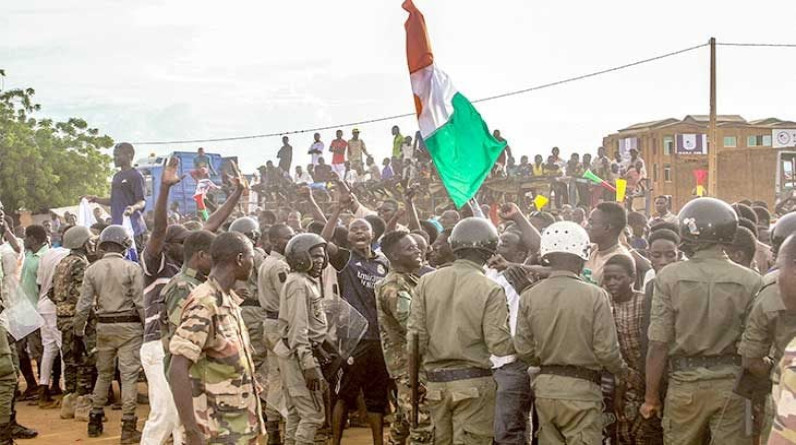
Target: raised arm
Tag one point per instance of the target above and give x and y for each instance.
(528, 233)
(411, 210)
(222, 213)
(161, 220)
(315, 209)
(328, 231)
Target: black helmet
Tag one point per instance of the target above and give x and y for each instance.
(784, 227)
(247, 226)
(116, 234)
(474, 233)
(297, 252)
(708, 221)
(76, 237)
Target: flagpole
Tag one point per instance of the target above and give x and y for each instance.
(713, 145)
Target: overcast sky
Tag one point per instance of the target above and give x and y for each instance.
(164, 70)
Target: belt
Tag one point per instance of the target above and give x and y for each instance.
(451, 375)
(119, 319)
(702, 361)
(577, 372)
(271, 315)
(250, 303)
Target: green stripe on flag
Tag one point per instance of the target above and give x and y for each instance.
(463, 151)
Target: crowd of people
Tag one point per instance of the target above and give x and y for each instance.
(410, 162)
(588, 325)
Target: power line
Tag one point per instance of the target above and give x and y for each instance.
(399, 116)
(760, 45)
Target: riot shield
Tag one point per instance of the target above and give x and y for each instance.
(20, 317)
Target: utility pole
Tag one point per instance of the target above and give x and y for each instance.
(713, 143)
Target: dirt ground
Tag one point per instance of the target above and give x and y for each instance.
(54, 430)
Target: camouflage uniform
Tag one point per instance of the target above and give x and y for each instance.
(302, 323)
(174, 295)
(393, 302)
(784, 395)
(271, 278)
(79, 365)
(769, 328)
(211, 334)
(253, 315)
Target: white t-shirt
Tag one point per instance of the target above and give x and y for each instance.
(316, 151)
(44, 277)
(408, 151)
(513, 301)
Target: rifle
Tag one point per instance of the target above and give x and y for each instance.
(414, 365)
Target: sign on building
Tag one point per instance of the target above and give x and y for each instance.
(625, 145)
(692, 144)
(783, 137)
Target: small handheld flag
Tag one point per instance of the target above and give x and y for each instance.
(621, 189)
(540, 201)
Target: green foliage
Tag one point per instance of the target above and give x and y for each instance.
(46, 164)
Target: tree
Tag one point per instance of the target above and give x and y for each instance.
(46, 164)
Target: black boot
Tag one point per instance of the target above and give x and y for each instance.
(5, 434)
(274, 438)
(95, 423)
(20, 432)
(130, 435)
(45, 398)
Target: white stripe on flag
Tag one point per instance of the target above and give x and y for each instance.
(436, 92)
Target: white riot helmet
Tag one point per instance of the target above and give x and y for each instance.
(565, 237)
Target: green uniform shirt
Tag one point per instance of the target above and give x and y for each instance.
(68, 282)
(302, 321)
(271, 277)
(769, 326)
(393, 304)
(699, 308)
(562, 321)
(461, 318)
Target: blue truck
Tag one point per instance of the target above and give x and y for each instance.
(182, 193)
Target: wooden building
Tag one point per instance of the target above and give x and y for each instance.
(752, 162)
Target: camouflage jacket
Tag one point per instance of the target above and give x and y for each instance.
(784, 396)
(67, 283)
(212, 336)
(393, 302)
(175, 293)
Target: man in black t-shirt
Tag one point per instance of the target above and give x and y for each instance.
(358, 270)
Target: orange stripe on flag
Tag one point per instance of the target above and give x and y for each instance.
(418, 48)
(418, 105)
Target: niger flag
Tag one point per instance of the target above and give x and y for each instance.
(456, 136)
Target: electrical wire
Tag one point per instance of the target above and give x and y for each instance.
(759, 45)
(400, 116)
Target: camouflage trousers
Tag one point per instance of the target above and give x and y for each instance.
(80, 370)
(122, 341)
(253, 317)
(400, 428)
(8, 378)
(273, 381)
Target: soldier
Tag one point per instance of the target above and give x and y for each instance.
(253, 314)
(8, 383)
(393, 301)
(784, 394)
(212, 372)
(115, 288)
(566, 327)
(698, 312)
(302, 329)
(79, 364)
(461, 319)
(271, 277)
(195, 268)
(769, 326)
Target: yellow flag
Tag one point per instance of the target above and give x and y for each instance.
(621, 189)
(540, 201)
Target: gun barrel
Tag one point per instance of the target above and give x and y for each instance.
(414, 365)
